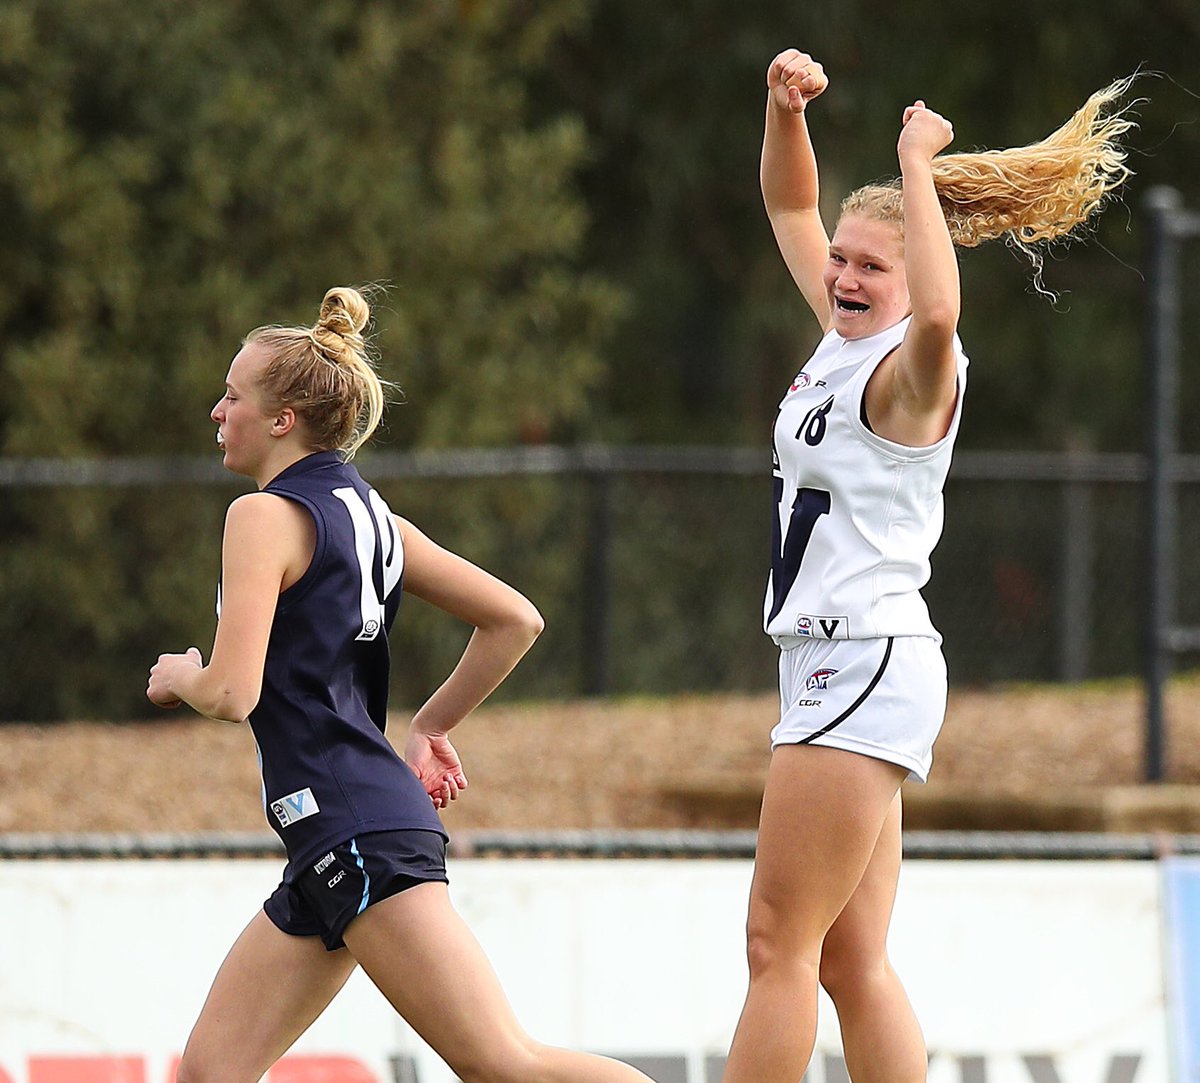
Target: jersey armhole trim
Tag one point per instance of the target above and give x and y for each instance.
(902, 453)
(302, 585)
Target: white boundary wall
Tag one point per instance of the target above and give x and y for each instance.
(1021, 972)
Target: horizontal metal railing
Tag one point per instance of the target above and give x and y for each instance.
(1047, 466)
(601, 844)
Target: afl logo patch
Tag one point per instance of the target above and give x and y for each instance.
(818, 680)
(803, 382)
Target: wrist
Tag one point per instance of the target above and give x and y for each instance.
(426, 727)
(915, 163)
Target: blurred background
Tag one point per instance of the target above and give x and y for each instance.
(585, 310)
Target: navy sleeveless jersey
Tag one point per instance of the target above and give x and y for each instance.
(328, 771)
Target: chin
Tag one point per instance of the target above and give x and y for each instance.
(853, 329)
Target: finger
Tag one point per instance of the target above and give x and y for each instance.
(775, 71)
(800, 68)
(787, 58)
(194, 654)
(810, 73)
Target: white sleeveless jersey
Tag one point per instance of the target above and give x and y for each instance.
(856, 516)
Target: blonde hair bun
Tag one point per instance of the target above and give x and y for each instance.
(344, 311)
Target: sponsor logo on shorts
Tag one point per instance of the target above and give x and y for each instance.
(809, 702)
(823, 627)
(296, 806)
(818, 680)
(324, 863)
(337, 879)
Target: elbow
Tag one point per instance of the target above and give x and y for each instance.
(938, 320)
(523, 623)
(233, 705)
(530, 622)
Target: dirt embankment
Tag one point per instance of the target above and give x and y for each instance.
(1050, 757)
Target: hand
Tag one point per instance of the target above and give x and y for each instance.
(159, 690)
(923, 133)
(436, 765)
(794, 79)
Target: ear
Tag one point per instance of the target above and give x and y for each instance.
(283, 422)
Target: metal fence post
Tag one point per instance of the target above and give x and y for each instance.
(596, 593)
(1168, 225)
(1078, 558)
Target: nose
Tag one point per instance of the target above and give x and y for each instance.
(847, 280)
(216, 413)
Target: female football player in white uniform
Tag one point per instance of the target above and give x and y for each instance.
(862, 445)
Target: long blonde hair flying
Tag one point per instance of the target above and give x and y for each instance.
(1027, 195)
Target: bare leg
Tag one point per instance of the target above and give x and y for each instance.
(880, 1033)
(240, 1032)
(424, 959)
(822, 813)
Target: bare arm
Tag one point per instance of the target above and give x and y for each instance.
(789, 176)
(506, 625)
(267, 545)
(915, 395)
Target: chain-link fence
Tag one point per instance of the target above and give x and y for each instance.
(648, 564)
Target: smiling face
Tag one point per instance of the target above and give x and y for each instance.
(864, 277)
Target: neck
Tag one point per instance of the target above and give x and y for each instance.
(278, 461)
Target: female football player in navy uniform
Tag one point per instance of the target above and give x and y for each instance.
(313, 565)
(862, 445)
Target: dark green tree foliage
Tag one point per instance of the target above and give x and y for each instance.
(563, 195)
(673, 97)
(172, 175)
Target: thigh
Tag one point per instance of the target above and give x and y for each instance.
(422, 956)
(241, 1032)
(823, 810)
(857, 940)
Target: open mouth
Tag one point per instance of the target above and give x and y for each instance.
(220, 440)
(850, 306)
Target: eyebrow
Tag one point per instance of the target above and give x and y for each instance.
(869, 257)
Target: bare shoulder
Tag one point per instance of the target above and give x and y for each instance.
(266, 518)
(254, 507)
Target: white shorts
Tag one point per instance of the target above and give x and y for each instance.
(884, 698)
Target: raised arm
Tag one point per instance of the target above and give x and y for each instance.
(506, 625)
(788, 174)
(913, 398)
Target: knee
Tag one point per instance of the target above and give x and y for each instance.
(193, 1069)
(518, 1061)
(201, 1065)
(771, 945)
(845, 972)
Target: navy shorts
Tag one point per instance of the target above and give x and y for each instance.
(333, 890)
